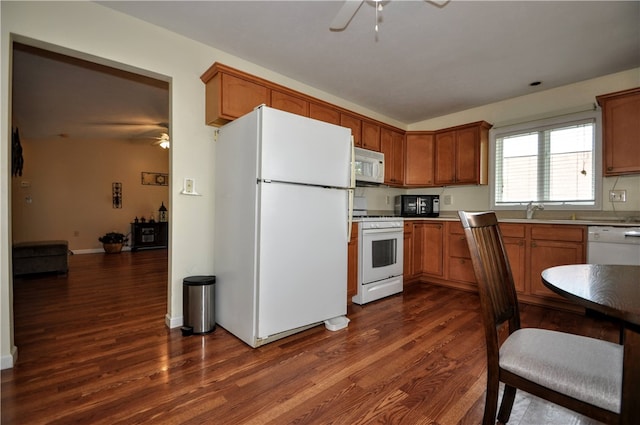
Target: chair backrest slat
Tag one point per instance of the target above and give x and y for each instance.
(491, 266)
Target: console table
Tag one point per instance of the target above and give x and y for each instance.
(149, 235)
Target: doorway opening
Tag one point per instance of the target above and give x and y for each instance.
(85, 129)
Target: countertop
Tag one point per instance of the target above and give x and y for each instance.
(595, 221)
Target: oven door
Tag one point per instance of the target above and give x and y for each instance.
(381, 254)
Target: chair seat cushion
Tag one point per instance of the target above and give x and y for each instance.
(584, 368)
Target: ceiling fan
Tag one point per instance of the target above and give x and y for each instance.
(350, 7)
(162, 140)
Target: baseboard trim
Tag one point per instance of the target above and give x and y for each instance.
(95, 250)
(173, 322)
(8, 361)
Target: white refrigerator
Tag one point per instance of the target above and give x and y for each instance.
(283, 184)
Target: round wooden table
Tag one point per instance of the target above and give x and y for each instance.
(615, 291)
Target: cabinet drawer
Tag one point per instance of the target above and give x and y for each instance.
(558, 233)
(509, 230)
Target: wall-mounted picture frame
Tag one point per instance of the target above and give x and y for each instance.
(156, 179)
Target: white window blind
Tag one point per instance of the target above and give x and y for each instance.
(552, 164)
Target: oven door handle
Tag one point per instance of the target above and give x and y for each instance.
(386, 230)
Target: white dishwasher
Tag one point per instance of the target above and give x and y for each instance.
(613, 245)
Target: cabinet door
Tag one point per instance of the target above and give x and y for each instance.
(432, 253)
(324, 113)
(355, 124)
(545, 254)
(352, 263)
(419, 151)
(370, 136)
(392, 146)
(458, 259)
(467, 158)
(621, 132)
(416, 249)
(408, 251)
(240, 96)
(515, 244)
(445, 156)
(289, 103)
(516, 253)
(397, 163)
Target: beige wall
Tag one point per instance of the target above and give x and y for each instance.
(97, 33)
(92, 32)
(65, 189)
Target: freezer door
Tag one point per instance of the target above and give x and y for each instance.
(303, 150)
(302, 277)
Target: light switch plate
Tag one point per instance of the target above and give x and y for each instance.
(618, 195)
(189, 186)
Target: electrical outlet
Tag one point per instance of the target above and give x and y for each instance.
(618, 195)
(448, 199)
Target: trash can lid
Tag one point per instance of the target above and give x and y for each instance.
(199, 280)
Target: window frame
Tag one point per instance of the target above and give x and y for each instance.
(538, 125)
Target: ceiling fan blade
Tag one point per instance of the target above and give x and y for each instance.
(345, 14)
(438, 3)
(131, 124)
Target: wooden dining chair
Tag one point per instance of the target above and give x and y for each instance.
(582, 374)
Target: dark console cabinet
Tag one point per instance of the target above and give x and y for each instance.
(149, 235)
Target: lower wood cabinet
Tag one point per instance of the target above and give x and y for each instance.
(553, 245)
(425, 249)
(439, 254)
(459, 266)
(352, 263)
(515, 243)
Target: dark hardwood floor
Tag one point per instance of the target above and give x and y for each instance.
(94, 349)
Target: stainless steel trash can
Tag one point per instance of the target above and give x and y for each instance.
(198, 305)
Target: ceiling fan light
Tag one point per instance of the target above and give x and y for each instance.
(164, 144)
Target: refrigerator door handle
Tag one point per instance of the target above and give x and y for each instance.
(352, 184)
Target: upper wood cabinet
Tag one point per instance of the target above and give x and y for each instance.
(355, 124)
(418, 159)
(621, 132)
(230, 95)
(462, 154)
(324, 113)
(287, 102)
(370, 136)
(392, 146)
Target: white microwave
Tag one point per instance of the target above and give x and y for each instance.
(369, 166)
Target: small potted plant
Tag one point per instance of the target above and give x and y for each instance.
(112, 242)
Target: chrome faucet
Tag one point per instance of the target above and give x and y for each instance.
(531, 208)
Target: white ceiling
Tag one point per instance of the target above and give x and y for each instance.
(56, 95)
(426, 61)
